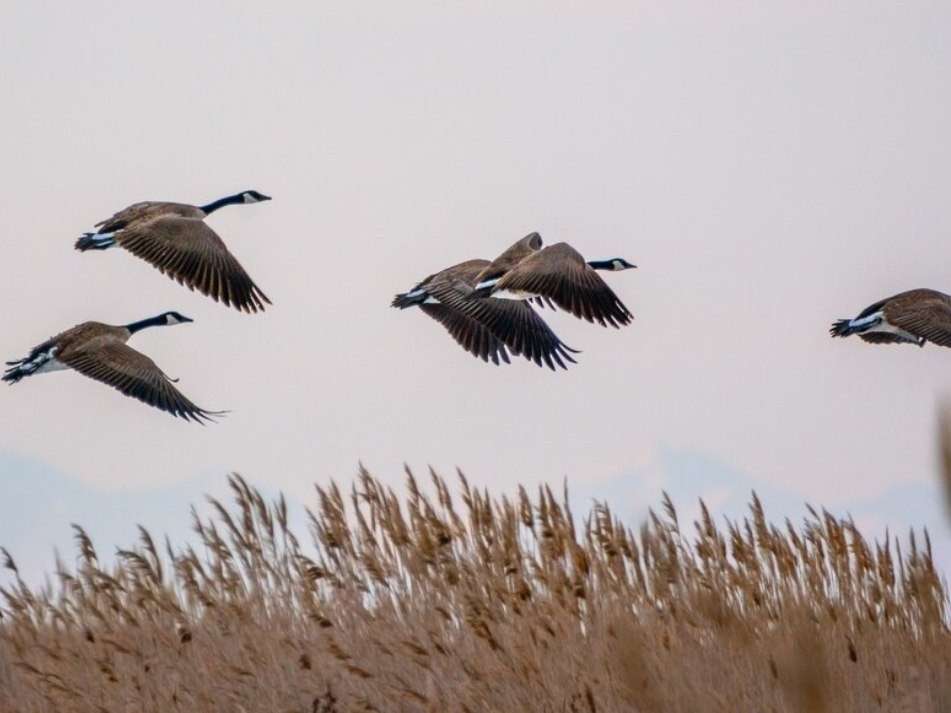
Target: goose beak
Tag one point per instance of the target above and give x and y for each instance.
(186, 319)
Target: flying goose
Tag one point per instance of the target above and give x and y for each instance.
(912, 317)
(489, 329)
(99, 351)
(174, 238)
(558, 274)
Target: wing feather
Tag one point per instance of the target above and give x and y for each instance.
(883, 338)
(928, 316)
(134, 374)
(512, 322)
(560, 274)
(190, 252)
(474, 337)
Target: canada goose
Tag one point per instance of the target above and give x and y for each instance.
(99, 351)
(560, 274)
(174, 238)
(488, 329)
(912, 317)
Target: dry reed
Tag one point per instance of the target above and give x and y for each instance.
(418, 603)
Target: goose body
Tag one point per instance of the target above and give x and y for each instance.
(489, 329)
(174, 238)
(559, 274)
(100, 352)
(912, 317)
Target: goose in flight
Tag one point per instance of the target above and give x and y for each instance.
(100, 352)
(556, 274)
(489, 329)
(912, 317)
(174, 238)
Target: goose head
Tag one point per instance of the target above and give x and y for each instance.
(175, 318)
(615, 264)
(532, 240)
(254, 197)
(160, 320)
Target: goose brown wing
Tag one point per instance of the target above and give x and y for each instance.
(928, 315)
(508, 259)
(474, 337)
(136, 375)
(512, 322)
(872, 309)
(62, 342)
(144, 211)
(189, 251)
(559, 273)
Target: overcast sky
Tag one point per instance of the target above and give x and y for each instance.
(769, 167)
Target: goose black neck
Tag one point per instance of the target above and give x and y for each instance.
(601, 264)
(222, 202)
(157, 321)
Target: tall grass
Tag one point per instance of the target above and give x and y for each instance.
(478, 603)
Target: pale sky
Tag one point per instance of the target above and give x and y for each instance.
(769, 167)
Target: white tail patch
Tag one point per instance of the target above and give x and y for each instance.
(43, 362)
(883, 326)
(50, 365)
(871, 319)
(103, 240)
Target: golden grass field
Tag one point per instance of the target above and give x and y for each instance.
(474, 603)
